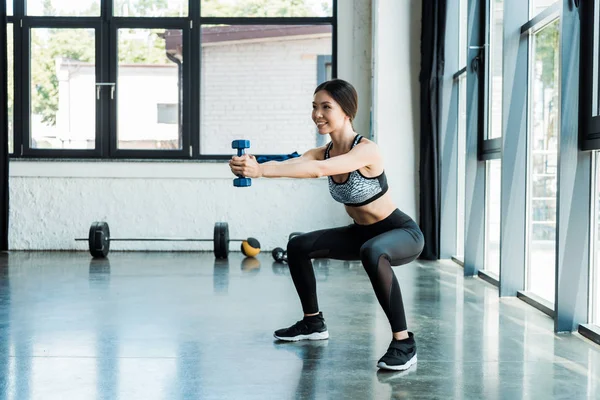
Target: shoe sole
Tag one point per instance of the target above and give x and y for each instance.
(402, 367)
(312, 336)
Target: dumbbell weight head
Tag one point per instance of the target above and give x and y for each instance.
(279, 255)
(240, 145)
(242, 182)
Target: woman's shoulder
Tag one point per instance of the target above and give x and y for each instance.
(365, 142)
(316, 153)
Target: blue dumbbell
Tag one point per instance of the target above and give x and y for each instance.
(240, 145)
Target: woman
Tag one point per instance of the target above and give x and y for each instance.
(381, 235)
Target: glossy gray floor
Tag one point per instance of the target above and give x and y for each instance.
(182, 326)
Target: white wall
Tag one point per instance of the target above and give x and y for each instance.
(52, 202)
(397, 63)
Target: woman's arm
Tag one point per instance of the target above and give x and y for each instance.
(361, 155)
(312, 154)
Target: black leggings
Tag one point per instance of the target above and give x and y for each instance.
(395, 240)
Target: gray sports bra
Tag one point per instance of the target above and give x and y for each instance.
(357, 190)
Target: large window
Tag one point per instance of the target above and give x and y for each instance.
(492, 216)
(542, 161)
(118, 79)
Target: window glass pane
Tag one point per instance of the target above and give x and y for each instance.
(63, 8)
(462, 47)
(257, 83)
(149, 89)
(150, 8)
(543, 147)
(266, 8)
(63, 94)
(11, 87)
(496, 38)
(595, 276)
(492, 221)
(537, 6)
(9, 7)
(596, 59)
(462, 137)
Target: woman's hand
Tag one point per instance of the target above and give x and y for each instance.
(246, 166)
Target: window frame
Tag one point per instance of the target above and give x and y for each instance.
(106, 57)
(488, 149)
(589, 125)
(536, 24)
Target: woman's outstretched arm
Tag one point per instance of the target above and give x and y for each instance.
(308, 166)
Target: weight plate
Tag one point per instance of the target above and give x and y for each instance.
(221, 240)
(99, 239)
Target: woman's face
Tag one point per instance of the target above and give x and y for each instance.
(327, 114)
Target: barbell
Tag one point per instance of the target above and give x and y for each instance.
(99, 241)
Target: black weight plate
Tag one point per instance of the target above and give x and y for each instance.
(277, 254)
(99, 239)
(221, 240)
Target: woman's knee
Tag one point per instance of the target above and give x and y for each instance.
(370, 256)
(298, 246)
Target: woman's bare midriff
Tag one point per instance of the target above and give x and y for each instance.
(373, 212)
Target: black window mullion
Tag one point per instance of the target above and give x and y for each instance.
(102, 76)
(113, 59)
(18, 80)
(24, 92)
(194, 56)
(267, 20)
(480, 64)
(18, 8)
(61, 22)
(185, 103)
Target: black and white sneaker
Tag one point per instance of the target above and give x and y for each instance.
(309, 328)
(400, 355)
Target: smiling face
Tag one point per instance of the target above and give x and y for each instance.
(327, 113)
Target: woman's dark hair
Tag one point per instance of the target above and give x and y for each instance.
(343, 93)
